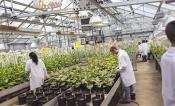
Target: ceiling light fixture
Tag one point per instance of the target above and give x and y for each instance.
(46, 4)
(96, 20)
(81, 15)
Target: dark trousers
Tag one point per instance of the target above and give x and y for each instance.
(144, 58)
(128, 91)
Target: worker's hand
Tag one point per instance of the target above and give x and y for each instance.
(117, 69)
(121, 69)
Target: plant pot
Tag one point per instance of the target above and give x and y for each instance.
(46, 89)
(87, 96)
(39, 89)
(61, 100)
(29, 93)
(34, 102)
(42, 101)
(39, 97)
(97, 89)
(64, 88)
(45, 86)
(107, 89)
(30, 98)
(46, 93)
(68, 93)
(22, 99)
(38, 93)
(83, 87)
(51, 96)
(70, 101)
(57, 93)
(100, 95)
(78, 95)
(96, 101)
(81, 101)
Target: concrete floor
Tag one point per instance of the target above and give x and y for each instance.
(148, 87)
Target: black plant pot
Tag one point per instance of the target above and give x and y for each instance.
(51, 96)
(57, 93)
(38, 93)
(29, 93)
(68, 93)
(83, 87)
(39, 89)
(107, 89)
(42, 101)
(39, 97)
(64, 88)
(78, 94)
(87, 96)
(100, 95)
(30, 98)
(70, 101)
(61, 100)
(22, 99)
(81, 101)
(97, 89)
(49, 92)
(96, 101)
(46, 86)
(34, 102)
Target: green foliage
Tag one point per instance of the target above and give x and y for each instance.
(99, 72)
(13, 74)
(158, 50)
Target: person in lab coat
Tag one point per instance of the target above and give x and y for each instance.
(37, 71)
(144, 47)
(140, 49)
(126, 73)
(168, 68)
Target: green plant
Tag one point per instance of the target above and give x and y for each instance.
(157, 50)
(99, 72)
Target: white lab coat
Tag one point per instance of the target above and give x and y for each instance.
(127, 76)
(37, 73)
(140, 48)
(168, 77)
(144, 49)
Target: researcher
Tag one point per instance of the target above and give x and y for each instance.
(126, 73)
(139, 49)
(144, 51)
(37, 71)
(168, 68)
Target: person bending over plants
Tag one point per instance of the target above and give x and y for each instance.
(126, 73)
(37, 71)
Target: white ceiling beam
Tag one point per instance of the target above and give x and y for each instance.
(126, 3)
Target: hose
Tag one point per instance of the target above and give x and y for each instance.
(135, 103)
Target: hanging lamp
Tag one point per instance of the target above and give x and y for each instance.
(95, 20)
(46, 4)
(81, 15)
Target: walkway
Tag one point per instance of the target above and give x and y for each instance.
(148, 87)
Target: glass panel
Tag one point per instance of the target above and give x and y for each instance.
(24, 1)
(16, 6)
(15, 24)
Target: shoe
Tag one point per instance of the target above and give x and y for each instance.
(133, 96)
(124, 102)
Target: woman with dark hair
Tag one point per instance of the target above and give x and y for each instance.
(37, 70)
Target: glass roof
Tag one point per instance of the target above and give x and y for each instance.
(133, 16)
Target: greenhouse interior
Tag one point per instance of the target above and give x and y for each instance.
(87, 52)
